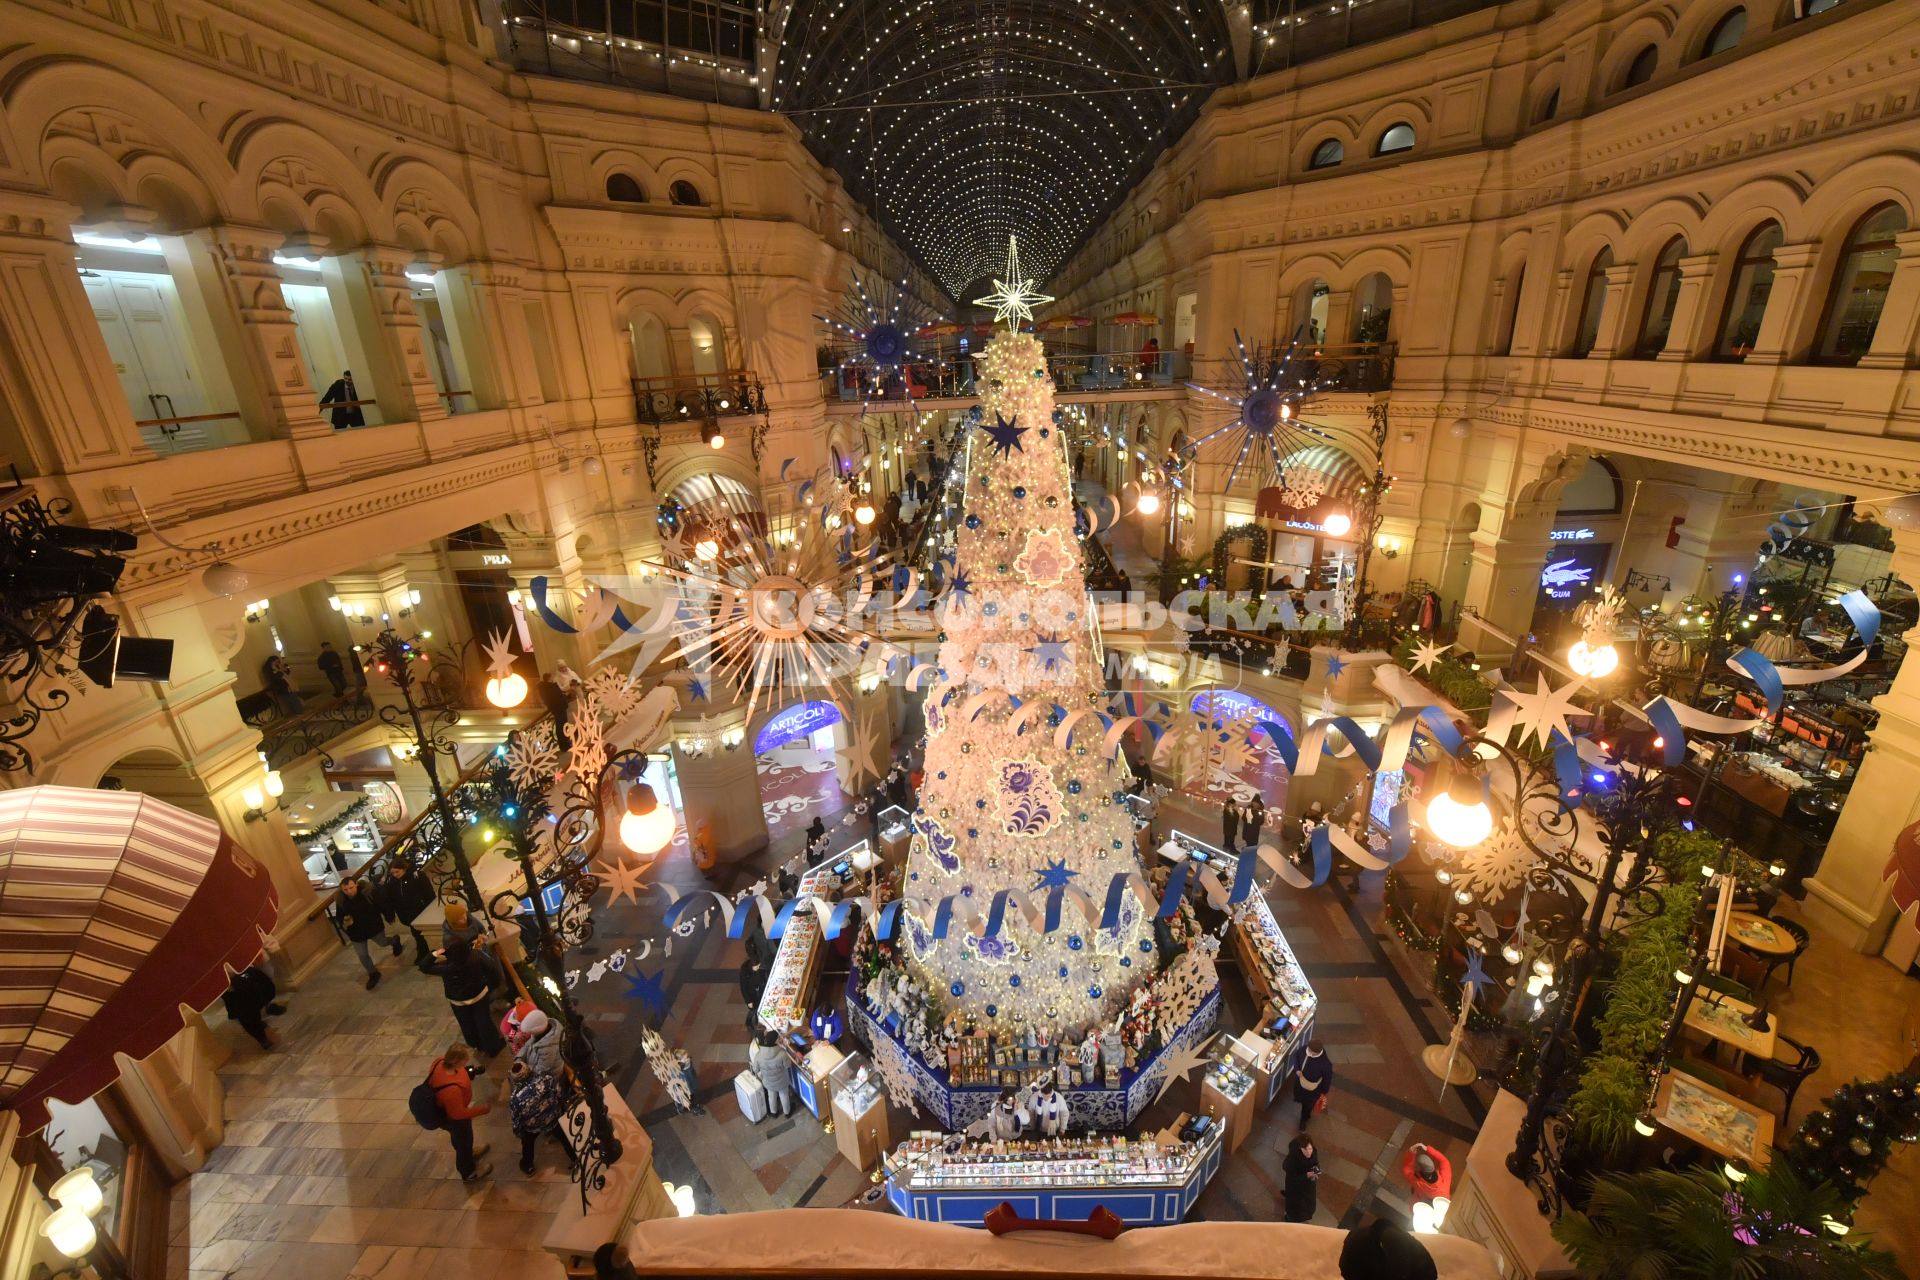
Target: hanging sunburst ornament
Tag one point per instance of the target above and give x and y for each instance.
(1013, 298)
(880, 333)
(1267, 399)
(775, 611)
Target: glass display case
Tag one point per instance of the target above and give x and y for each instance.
(1227, 1077)
(940, 1162)
(855, 1085)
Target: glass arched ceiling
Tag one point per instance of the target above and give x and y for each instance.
(963, 121)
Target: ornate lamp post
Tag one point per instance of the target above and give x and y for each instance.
(1628, 804)
(548, 859)
(1366, 521)
(428, 709)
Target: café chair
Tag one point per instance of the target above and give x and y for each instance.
(1791, 1063)
(1726, 986)
(1801, 939)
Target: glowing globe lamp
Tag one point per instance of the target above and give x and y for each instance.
(1338, 524)
(1459, 815)
(506, 691)
(647, 824)
(1595, 662)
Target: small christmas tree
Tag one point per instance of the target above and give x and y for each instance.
(1847, 1141)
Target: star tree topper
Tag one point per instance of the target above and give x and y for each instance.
(1013, 299)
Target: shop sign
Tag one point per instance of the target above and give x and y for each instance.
(1572, 535)
(1560, 578)
(1235, 705)
(797, 721)
(491, 558)
(1306, 526)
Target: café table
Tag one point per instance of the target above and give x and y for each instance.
(1723, 1018)
(1729, 1126)
(1757, 933)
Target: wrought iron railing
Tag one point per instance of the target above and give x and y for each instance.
(308, 732)
(1359, 366)
(700, 397)
(950, 374)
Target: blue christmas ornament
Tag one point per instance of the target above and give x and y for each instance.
(993, 1011)
(1063, 971)
(1073, 786)
(1094, 992)
(1146, 944)
(1074, 943)
(1019, 492)
(973, 522)
(1126, 962)
(1013, 980)
(958, 989)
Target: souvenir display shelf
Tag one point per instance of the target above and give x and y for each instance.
(1145, 1182)
(796, 965)
(1287, 1002)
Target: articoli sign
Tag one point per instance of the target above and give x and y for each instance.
(794, 723)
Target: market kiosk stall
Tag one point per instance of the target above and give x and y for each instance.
(796, 964)
(1142, 1181)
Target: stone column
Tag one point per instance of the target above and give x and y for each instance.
(720, 793)
(1617, 329)
(489, 333)
(58, 376)
(1793, 271)
(1684, 338)
(1339, 317)
(380, 300)
(233, 271)
(1897, 336)
(1849, 897)
(1561, 319)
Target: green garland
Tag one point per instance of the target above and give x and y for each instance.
(1453, 679)
(358, 809)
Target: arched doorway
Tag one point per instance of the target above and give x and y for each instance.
(795, 752)
(709, 342)
(652, 357)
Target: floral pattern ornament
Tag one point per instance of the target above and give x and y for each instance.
(1046, 559)
(939, 844)
(1029, 804)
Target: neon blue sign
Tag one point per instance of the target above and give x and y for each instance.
(797, 721)
(1562, 576)
(1234, 705)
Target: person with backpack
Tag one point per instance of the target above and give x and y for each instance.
(466, 976)
(359, 918)
(444, 1100)
(535, 1103)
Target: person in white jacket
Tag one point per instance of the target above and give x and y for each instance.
(1006, 1121)
(1048, 1107)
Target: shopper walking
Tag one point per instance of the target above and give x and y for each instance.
(465, 976)
(1313, 1082)
(332, 667)
(1302, 1172)
(277, 676)
(1428, 1173)
(753, 985)
(248, 999)
(771, 1066)
(535, 1102)
(359, 918)
(1256, 818)
(557, 703)
(1229, 824)
(451, 1080)
(402, 894)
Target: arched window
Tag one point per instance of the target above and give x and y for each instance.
(623, 189)
(1593, 301)
(1548, 109)
(684, 192)
(1860, 281)
(1747, 296)
(1726, 33)
(1373, 308)
(1328, 154)
(1398, 137)
(1641, 69)
(1656, 322)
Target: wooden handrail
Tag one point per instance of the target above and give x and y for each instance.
(345, 404)
(192, 417)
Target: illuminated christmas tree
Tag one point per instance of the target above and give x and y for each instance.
(1007, 804)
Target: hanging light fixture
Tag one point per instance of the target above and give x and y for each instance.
(1337, 525)
(864, 513)
(507, 691)
(1149, 502)
(647, 824)
(716, 439)
(1459, 815)
(1595, 662)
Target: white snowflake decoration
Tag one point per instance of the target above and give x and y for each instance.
(1303, 487)
(1496, 866)
(532, 758)
(668, 1067)
(895, 1077)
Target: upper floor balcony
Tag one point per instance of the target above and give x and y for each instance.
(698, 397)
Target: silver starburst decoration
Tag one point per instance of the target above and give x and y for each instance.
(1013, 298)
(1267, 399)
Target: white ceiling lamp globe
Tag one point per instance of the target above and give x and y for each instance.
(1149, 503)
(78, 1190)
(707, 549)
(224, 579)
(1595, 662)
(1460, 815)
(70, 1231)
(1338, 524)
(864, 513)
(647, 825)
(507, 691)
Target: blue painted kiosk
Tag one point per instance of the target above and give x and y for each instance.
(1143, 1182)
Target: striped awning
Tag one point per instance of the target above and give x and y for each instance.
(115, 910)
(1344, 474)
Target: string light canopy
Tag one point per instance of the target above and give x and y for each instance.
(968, 121)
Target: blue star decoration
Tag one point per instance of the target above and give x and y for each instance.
(959, 586)
(633, 769)
(1055, 875)
(1006, 436)
(696, 691)
(1050, 652)
(1476, 975)
(648, 989)
(1335, 665)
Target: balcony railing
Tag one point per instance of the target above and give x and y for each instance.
(698, 397)
(952, 374)
(289, 738)
(1359, 366)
